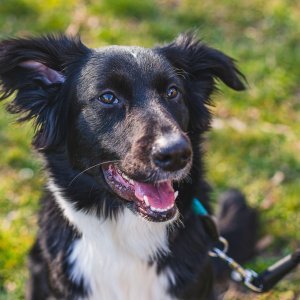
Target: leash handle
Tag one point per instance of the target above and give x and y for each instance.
(277, 271)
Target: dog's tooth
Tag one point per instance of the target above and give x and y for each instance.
(125, 176)
(131, 181)
(176, 194)
(146, 200)
(169, 207)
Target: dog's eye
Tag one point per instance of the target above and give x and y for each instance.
(172, 92)
(108, 98)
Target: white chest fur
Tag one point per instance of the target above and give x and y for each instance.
(112, 255)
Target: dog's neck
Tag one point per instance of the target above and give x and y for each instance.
(132, 233)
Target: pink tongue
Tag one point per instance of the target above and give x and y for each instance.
(159, 196)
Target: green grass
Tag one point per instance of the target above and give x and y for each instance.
(255, 143)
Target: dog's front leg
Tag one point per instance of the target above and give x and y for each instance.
(37, 287)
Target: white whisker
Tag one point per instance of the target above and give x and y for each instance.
(96, 165)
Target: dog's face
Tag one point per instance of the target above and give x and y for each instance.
(131, 112)
(125, 115)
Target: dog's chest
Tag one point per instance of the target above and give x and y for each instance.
(110, 273)
(112, 256)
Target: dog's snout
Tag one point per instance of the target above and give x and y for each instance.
(172, 152)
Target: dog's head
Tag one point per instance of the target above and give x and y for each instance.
(124, 115)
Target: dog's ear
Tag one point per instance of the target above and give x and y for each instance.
(201, 66)
(37, 69)
(198, 61)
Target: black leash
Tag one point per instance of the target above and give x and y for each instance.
(258, 283)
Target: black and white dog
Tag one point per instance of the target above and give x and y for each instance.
(120, 131)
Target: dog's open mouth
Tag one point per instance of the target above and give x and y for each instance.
(153, 201)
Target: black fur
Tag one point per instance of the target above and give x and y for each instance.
(74, 133)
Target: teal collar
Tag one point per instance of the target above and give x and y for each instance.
(198, 208)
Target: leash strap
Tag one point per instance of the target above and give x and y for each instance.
(258, 283)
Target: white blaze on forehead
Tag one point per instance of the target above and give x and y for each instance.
(142, 56)
(136, 53)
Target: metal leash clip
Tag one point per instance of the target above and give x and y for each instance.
(239, 274)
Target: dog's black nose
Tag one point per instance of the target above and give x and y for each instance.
(171, 152)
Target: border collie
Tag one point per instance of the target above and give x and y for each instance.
(120, 130)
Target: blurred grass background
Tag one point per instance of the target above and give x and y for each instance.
(255, 142)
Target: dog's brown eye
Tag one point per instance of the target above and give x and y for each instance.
(108, 98)
(172, 92)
